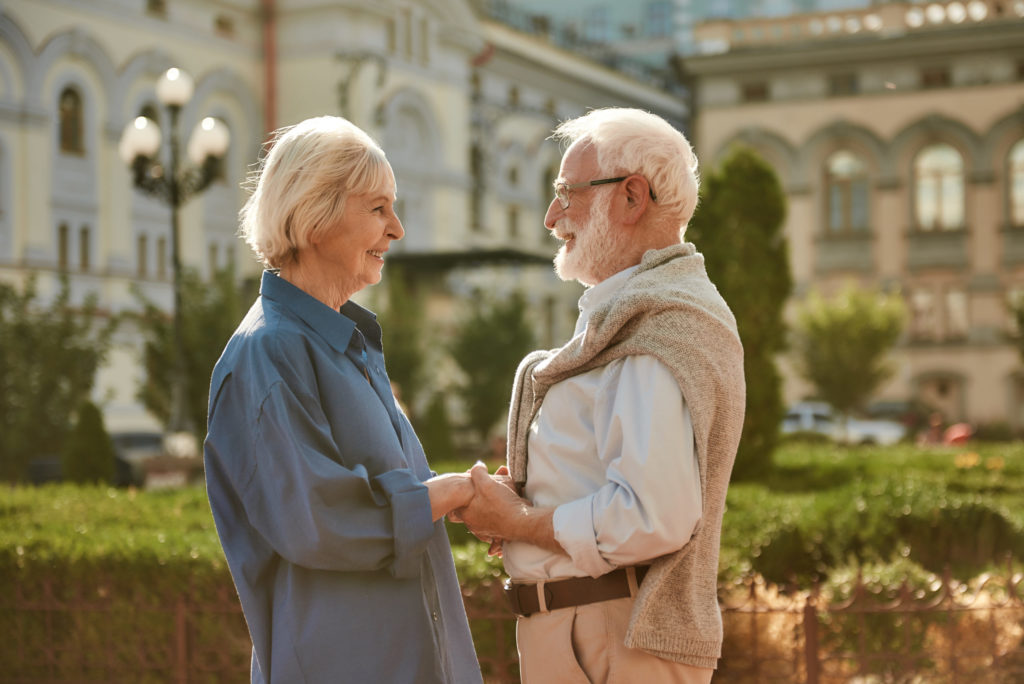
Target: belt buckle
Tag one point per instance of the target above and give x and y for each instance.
(512, 594)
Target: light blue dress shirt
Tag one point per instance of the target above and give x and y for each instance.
(315, 480)
(612, 451)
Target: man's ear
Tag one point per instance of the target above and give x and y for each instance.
(637, 197)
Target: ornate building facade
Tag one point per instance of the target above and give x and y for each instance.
(897, 132)
(462, 105)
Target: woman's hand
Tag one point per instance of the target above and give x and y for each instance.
(448, 492)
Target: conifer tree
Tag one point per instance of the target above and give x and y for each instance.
(89, 455)
(738, 228)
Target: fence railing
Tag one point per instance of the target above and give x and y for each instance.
(948, 633)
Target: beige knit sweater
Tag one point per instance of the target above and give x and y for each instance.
(668, 309)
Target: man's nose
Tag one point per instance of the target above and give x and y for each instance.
(554, 212)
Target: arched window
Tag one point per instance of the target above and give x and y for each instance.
(512, 221)
(71, 126)
(412, 133)
(476, 197)
(939, 188)
(161, 258)
(1016, 184)
(62, 247)
(846, 182)
(547, 184)
(924, 319)
(84, 257)
(142, 256)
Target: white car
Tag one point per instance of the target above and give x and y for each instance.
(819, 417)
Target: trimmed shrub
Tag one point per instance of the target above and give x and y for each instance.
(89, 455)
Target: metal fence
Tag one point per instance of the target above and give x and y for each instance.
(97, 630)
(947, 633)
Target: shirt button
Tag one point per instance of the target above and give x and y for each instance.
(435, 615)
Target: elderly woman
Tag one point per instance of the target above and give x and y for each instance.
(324, 503)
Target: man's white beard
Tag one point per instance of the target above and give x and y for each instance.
(593, 246)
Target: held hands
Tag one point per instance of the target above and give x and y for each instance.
(493, 507)
(495, 513)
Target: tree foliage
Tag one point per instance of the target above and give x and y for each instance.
(488, 345)
(89, 454)
(841, 344)
(210, 313)
(738, 229)
(49, 354)
(403, 330)
(434, 429)
(1017, 306)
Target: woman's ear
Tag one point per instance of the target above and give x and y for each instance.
(314, 238)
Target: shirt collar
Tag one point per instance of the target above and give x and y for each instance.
(598, 295)
(336, 327)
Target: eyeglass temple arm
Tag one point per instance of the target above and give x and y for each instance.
(602, 181)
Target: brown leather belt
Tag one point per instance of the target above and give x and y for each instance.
(576, 591)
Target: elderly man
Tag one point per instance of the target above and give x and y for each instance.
(621, 441)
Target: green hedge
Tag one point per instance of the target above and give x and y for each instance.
(824, 512)
(826, 508)
(123, 559)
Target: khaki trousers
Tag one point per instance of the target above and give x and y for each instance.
(584, 644)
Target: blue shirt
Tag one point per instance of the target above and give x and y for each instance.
(315, 480)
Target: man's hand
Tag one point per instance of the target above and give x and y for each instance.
(493, 506)
(501, 476)
(496, 513)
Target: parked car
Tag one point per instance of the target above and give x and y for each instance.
(50, 468)
(913, 413)
(818, 417)
(135, 450)
(138, 447)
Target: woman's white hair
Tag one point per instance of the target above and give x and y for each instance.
(632, 141)
(301, 184)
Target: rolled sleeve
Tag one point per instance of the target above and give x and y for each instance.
(411, 519)
(574, 531)
(652, 502)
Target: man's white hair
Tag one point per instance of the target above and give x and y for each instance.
(631, 141)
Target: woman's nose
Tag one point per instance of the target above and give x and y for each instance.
(397, 230)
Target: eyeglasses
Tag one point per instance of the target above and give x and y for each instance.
(562, 190)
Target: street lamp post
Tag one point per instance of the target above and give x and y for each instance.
(139, 149)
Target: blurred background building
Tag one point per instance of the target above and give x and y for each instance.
(461, 103)
(897, 132)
